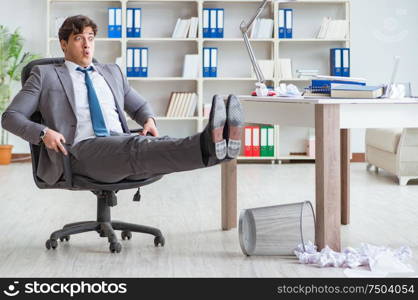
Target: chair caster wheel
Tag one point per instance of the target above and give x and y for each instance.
(115, 247)
(51, 244)
(159, 240)
(126, 234)
(65, 238)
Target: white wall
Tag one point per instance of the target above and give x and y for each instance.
(381, 29)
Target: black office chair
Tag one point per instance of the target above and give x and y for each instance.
(105, 192)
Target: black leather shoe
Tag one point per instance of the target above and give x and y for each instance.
(214, 142)
(234, 126)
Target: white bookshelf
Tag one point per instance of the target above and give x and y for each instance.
(234, 69)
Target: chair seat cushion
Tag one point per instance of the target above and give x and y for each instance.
(386, 139)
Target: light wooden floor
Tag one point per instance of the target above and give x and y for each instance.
(186, 207)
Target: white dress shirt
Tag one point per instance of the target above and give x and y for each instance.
(106, 100)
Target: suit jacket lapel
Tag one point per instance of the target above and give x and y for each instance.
(111, 83)
(67, 83)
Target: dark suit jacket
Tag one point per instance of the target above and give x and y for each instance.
(49, 90)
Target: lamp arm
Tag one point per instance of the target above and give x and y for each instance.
(244, 27)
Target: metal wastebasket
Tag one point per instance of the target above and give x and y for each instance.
(276, 230)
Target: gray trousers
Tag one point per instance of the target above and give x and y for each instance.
(111, 159)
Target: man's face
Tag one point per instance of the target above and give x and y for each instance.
(80, 47)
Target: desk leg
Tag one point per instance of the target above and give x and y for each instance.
(345, 176)
(327, 179)
(229, 195)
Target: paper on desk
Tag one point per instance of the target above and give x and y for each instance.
(379, 261)
(289, 90)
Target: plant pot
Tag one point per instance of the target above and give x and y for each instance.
(5, 154)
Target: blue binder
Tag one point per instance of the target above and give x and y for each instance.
(346, 62)
(129, 22)
(130, 62)
(137, 22)
(213, 62)
(137, 62)
(282, 21)
(212, 23)
(206, 62)
(115, 23)
(144, 62)
(336, 62)
(288, 23)
(219, 22)
(206, 22)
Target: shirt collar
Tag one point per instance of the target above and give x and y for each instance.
(73, 66)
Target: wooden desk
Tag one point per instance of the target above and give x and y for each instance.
(332, 120)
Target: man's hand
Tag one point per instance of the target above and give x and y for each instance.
(150, 127)
(52, 140)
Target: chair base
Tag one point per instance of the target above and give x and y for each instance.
(104, 226)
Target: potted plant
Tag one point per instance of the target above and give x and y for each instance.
(12, 60)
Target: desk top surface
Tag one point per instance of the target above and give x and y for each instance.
(327, 100)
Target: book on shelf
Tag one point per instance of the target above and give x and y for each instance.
(266, 66)
(213, 22)
(262, 29)
(133, 22)
(355, 91)
(285, 68)
(333, 29)
(258, 141)
(181, 29)
(182, 105)
(191, 66)
(114, 28)
(285, 23)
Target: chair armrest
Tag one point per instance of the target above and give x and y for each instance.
(136, 130)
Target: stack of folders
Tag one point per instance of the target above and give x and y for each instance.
(182, 105)
(333, 29)
(340, 62)
(114, 28)
(306, 73)
(258, 141)
(322, 86)
(137, 62)
(262, 29)
(185, 28)
(286, 23)
(133, 22)
(355, 91)
(191, 66)
(213, 22)
(210, 62)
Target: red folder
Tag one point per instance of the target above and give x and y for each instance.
(248, 149)
(256, 141)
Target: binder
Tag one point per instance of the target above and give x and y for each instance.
(270, 141)
(282, 34)
(129, 22)
(118, 22)
(248, 149)
(256, 141)
(289, 23)
(335, 62)
(219, 22)
(144, 62)
(213, 62)
(212, 23)
(111, 29)
(206, 22)
(137, 22)
(137, 62)
(346, 62)
(206, 62)
(263, 141)
(130, 62)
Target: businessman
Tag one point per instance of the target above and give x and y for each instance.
(82, 105)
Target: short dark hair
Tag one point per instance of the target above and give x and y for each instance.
(75, 25)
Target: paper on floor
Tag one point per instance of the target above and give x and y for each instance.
(379, 261)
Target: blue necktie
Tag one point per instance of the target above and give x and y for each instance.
(96, 115)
